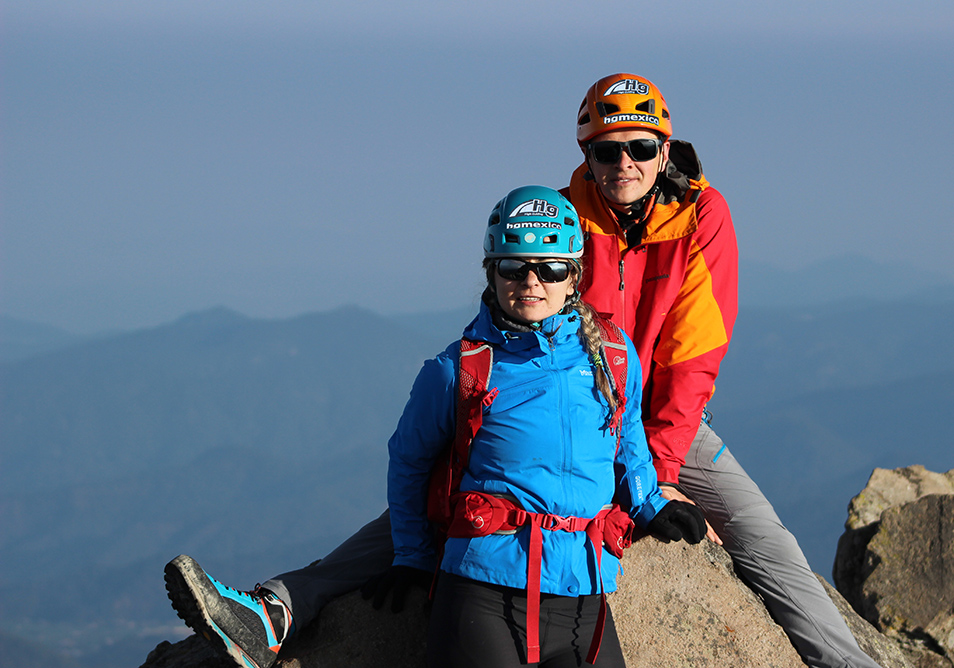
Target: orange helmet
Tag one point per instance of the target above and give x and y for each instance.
(622, 101)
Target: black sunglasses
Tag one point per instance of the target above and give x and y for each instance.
(551, 271)
(609, 152)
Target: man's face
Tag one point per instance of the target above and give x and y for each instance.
(626, 181)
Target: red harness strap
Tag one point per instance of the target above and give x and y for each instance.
(477, 514)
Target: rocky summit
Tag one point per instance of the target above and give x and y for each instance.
(683, 606)
(895, 561)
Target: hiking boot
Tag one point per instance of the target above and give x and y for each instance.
(250, 626)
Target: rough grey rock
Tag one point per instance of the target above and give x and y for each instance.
(888, 488)
(678, 605)
(887, 653)
(895, 561)
(193, 652)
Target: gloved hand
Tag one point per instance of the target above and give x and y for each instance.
(397, 580)
(679, 520)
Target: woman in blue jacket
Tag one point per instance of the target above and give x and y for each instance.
(547, 445)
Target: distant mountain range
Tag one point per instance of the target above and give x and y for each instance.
(257, 445)
(847, 278)
(831, 281)
(21, 340)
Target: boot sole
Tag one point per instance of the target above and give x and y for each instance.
(198, 603)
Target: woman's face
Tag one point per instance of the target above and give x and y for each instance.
(528, 299)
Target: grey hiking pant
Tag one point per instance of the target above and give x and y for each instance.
(767, 555)
(763, 550)
(347, 567)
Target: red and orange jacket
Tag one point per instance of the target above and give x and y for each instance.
(675, 294)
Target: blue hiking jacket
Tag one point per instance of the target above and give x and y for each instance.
(543, 441)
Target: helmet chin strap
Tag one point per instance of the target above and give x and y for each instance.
(634, 222)
(644, 205)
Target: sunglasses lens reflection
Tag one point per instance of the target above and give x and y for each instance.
(609, 152)
(548, 272)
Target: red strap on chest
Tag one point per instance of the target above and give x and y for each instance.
(476, 362)
(478, 514)
(616, 360)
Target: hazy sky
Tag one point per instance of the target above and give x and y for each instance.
(284, 157)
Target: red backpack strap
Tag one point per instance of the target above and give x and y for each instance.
(476, 362)
(616, 362)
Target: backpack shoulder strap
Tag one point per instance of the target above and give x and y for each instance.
(473, 378)
(616, 363)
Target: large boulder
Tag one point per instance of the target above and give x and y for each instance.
(895, 561)
(678, 606)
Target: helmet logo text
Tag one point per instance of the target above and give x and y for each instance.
(631, 118)
(628, 87)
(536, 207)
(533, 224)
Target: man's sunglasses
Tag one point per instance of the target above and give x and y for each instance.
(609, 152)
(551, 271)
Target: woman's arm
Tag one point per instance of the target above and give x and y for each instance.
(638, 473)
(426, 427)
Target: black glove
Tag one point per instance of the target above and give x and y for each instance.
(397, 580)
(679, 520)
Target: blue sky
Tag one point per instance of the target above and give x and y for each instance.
(277, 158)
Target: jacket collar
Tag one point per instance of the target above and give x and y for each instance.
(557, 328)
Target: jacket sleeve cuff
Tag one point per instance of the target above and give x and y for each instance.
(644, 515)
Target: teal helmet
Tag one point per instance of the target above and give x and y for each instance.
(533, 221)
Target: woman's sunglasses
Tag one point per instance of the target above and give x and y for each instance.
(609, 152)
(551, 271)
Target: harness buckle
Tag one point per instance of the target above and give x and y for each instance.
(555, 523)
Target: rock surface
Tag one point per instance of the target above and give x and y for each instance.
(895, 561)
(888, 488)
(678, 606)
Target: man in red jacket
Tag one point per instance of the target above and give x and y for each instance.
(662, 262)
